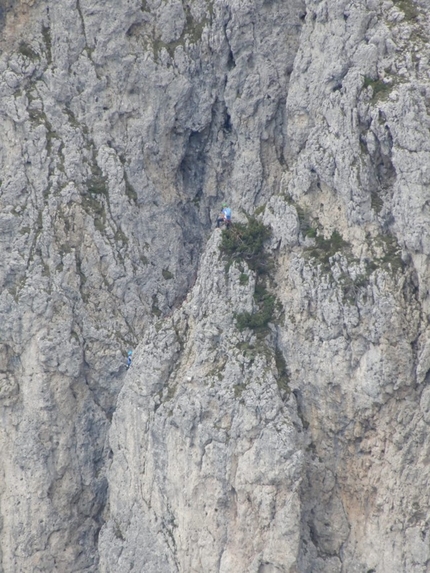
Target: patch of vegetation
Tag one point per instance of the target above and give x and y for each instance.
(154, 309)
(97, 182)
(245, 241)
(351, 287)
(259, 210)
(248, 350)
(305, 223)
(39, 117)
(120, 236)
(324, 249)
(218, 368)
(96, 209)
(408, 8)
(45, 269)
(238, 390)
(311, 232)
(65, 249)
(376, 201)
(167, 275)
(215, 372)
(16, 289)
(192, 32)
(379, 88)
(243, 279)
(73, 121)
(260, 319)
(129, 189)
(74, 336)
(27, 51)
(391, 258)
(96, 198)
(197, 199)
(50, 136)
(283, 379)
(46, 34)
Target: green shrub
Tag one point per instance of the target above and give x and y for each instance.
(259, 210)
(379, 87)
(167, 275)
(260, 319)
(326, 248)
(97, 184)
(311, 233)
(408, 8)
(392, 257)
(27, 51)
(243, 279)
(245, 241)
(283, 379)
(96, 209)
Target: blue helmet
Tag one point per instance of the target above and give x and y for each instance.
(129, 353)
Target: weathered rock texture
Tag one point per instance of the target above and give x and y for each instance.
(123, 126)
(204, 441)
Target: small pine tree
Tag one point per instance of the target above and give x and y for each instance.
(245, 241)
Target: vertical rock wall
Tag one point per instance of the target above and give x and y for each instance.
(350, 239)
(356, 329)
(123, 126)
(207, 457)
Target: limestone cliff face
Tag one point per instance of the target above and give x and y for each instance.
(206, 444)
(356, 332)
(123, 126)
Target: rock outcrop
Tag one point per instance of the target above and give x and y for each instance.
(205, 443)
(298, 447)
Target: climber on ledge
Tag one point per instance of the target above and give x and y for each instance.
(224, 216)
(129, 355)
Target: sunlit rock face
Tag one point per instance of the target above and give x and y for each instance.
(296, 446)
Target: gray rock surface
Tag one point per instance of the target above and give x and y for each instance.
(358, 358)
(202, 437)
(123, 127)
